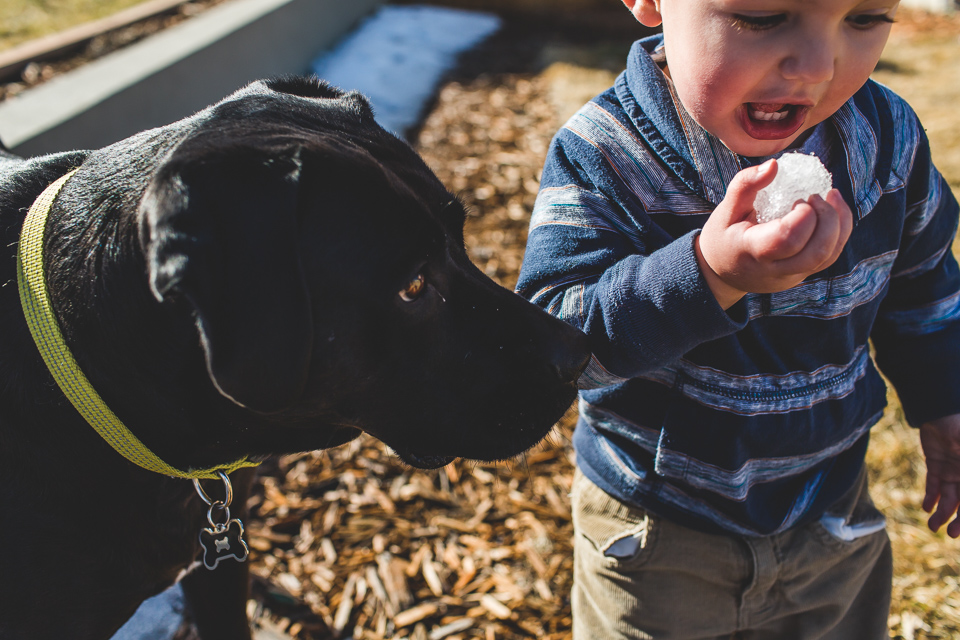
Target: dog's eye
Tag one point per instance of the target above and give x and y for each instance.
(414, 289)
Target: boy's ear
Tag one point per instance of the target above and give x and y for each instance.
(647, 12)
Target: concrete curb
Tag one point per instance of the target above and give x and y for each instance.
(175, 72)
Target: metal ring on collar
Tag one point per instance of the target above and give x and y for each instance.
(226, 516)
(206, 499)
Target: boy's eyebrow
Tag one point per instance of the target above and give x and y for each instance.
(879, 4)
(794, 5)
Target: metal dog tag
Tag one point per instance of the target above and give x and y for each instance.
(224, 540)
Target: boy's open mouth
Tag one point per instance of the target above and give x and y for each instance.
(771, 121)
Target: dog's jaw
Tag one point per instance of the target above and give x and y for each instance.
(424, 462)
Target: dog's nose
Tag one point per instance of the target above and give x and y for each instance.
(571, 354)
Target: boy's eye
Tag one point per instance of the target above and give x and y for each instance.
(864, 21)
(758, 23)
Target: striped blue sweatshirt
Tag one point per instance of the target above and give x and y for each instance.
(755, 419)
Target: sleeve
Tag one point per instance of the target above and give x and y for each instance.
(917, 331)
(606, 268)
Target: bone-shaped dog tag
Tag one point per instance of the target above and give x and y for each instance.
(222, 542)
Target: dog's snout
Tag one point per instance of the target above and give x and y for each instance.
(571, 356)
(563, 352)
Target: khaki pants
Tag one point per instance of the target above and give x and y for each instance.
(639, 576)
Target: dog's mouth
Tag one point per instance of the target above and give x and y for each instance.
(424, 462)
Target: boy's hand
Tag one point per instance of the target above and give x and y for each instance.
(940, 440)
(738, 255)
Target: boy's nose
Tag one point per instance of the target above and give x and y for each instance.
(811, 62)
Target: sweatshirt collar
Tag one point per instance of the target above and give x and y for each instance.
(704, 164)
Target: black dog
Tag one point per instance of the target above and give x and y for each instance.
(274, 274)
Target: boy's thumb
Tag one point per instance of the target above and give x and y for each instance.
(743, 189)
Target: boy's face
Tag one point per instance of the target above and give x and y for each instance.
(757, 74)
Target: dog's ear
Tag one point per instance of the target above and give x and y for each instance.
(222, 232)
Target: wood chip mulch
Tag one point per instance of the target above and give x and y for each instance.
(351, 543)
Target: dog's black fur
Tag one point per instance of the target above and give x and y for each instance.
(230, 285)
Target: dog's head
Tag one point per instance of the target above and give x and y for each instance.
(325, 266)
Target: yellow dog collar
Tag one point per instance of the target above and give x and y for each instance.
(46, 334)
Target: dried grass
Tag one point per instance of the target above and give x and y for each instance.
(22, 20)
(74, 13)
(926, 599)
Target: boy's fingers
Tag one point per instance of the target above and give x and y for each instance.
(953, 529)
(835, 200)
(742, 190)
(784, 240)
(946, 507)
(808, 239)
(830, 222)
(932, 492)
(819, 250)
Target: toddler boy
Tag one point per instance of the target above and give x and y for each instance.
(720, 487)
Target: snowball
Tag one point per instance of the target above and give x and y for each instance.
(798, 177)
